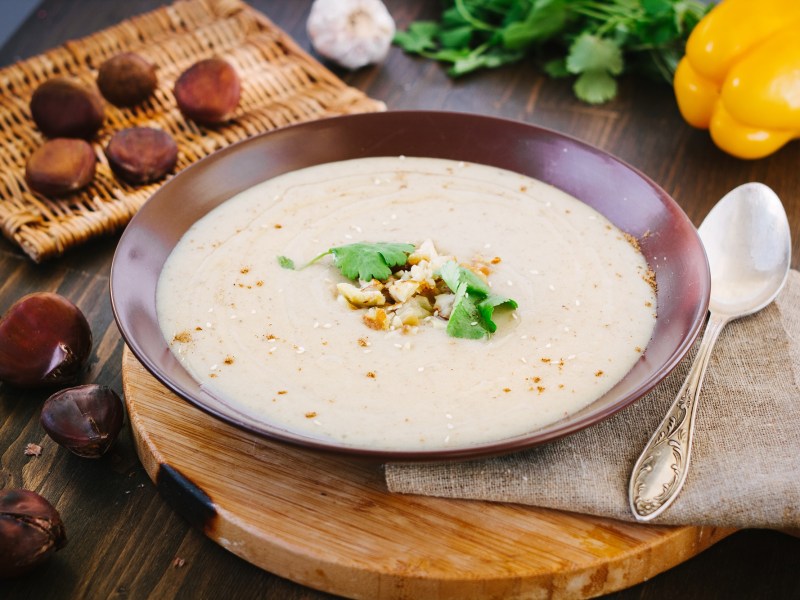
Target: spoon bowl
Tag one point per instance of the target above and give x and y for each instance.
(747, 240)
(748, 244)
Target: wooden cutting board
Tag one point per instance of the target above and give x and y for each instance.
(329, 523)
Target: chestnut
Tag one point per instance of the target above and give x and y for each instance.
(208, 91)
(62, 107)
(126, 79)
(85, 419)
(44, 340)
(141, 155)
(30, 531)
(61, 166)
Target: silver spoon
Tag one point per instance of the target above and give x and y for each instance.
(747, 241)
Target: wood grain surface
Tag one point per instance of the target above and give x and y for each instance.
(125, 539)
(329, 522)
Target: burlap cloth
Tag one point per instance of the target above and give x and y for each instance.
(745, 469)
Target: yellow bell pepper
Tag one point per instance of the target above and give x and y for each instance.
(740, 78)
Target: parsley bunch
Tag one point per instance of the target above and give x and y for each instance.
(592, 40)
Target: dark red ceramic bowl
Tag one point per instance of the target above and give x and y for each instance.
(626, 197)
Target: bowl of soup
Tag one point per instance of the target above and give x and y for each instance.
(410, 285)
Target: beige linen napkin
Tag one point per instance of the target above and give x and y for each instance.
(745, 469)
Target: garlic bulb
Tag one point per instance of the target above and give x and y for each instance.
(352, 33)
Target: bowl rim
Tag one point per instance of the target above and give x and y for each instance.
(127, 253)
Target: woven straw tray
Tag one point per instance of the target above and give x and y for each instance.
(281, 84)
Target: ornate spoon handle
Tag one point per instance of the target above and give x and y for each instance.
(659, 473)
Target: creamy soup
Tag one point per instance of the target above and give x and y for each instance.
(281, 345)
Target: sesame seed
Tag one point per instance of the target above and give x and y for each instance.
(450, 426)
(393, 217)
(551, 287)
(347, 236)
(327, 326)
(398, 345)
(523, 360)
(446, 439)
(577, 302)
(509, 282)
(515, 316)
(533, 272)
(523, 337)
(420, 369)
(213, 367)
(208, 324)
(487, 245)
(271, 350)
(316, 324)
(474, 323)
(448, 416)
(300, 350)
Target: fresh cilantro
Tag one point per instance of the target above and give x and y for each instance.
(370, 261)
(286, 263)
(362, 260)
(591, 40)
(474, 303)
(465, 320)
(487, 305)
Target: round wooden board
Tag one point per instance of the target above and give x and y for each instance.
(329, 523)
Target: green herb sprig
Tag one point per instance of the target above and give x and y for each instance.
(364, 261)
(474, 303)
(595, 41)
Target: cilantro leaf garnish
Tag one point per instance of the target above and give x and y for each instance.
(474, 303)
(465, 320)
(362, 260)
(286, 263)
(370, 261)
(487, 305)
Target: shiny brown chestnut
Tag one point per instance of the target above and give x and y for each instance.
(208, 92)
(85, 419)
(31, 530)
(44, 340)
(126, 79)
(61, 166)
(141, 155)
(63, 107)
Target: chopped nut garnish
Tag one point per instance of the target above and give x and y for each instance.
(228, 360)
(184, 337)
(178, 562)
(282, 392)
(311, 415)
(599, 373)
(371, 374)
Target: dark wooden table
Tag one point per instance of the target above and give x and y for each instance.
(123, 537)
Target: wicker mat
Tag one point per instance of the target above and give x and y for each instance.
(281, 84)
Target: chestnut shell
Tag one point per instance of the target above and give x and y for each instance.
(126, 79)
(44, 340)
(85, 419)
(208, 92)
(141, 155)
(63, 107)
(31, 530)
(61, 166)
